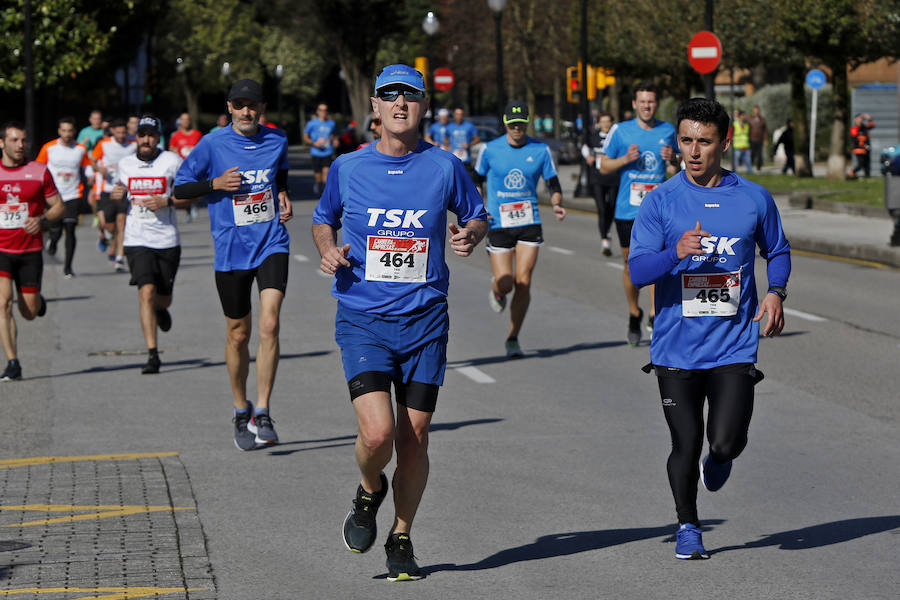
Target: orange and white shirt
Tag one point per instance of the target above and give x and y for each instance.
(65, 164)
(107, 153)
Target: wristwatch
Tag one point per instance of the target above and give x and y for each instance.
(779, 290)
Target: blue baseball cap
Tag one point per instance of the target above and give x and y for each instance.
(403, 74)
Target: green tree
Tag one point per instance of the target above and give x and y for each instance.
(69, 37)
(202, 35)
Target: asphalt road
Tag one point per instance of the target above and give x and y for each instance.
(548, 472)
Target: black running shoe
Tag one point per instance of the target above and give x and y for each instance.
(244, 439)
(401, 563)
(163, 319)
(152, 366)
(51, 248)
(13, 371)
(360, 529)
(634, 328)
(42, 309)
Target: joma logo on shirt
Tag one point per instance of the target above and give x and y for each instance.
(256, 176)
(718, 245)
(395, 217)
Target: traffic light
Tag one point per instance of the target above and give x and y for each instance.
(573, 84)
(422, 67)
(604, 77)
(593, 81)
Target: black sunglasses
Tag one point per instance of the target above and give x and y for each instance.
(390, 95)
(239, 103)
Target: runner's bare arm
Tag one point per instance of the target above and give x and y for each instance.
(463, 240)
(333, 257)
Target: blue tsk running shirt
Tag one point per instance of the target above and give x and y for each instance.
(638, 178)
(438, 132)
(461, 135)
(394, 213)
(705, 303)
(318, 129)
(245, 224)
(512, 180)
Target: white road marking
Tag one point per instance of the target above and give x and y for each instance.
(301, 258)
(616, 265)
(476, 375)
(561, 250)
(804, 315)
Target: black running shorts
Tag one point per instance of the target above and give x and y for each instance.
(234, 286)
(153, 266)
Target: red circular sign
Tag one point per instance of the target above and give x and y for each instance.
(443, 79)
(705, 52)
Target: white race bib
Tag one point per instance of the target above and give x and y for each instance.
(710, 294)
(462, 154)
(258, 207)
(140, 211)
(13, 216)
(66, 178)
(404, 260)
(516, 214)
(639, 190)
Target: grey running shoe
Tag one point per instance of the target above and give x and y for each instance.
(244, 439)
(634, 328)
(120, 264)
(263, 427)
(13, 371)
(498, 303)
(360, 528)
(513, 350)
(401, 563)
(163, 319)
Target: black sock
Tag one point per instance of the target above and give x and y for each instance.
(153, 352)
(13, 363)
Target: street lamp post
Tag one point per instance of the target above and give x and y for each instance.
(430, 26)
(226, 72)
(279, 74)
(497, 7)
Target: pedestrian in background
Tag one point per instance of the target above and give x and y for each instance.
(759, 137)
(859, 133)
(786, 139)
(741, 142)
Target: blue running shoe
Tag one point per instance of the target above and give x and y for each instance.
(689, 544)
(713, 474)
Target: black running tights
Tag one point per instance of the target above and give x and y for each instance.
(605, 199)
(730, 393)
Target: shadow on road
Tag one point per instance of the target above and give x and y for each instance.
(825, 534)
(68, 298)
(563, 544)
(349, 440)
(538, 353)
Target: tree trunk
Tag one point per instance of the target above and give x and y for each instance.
(798, 114)
(192, 98)
(837, 159)
(359, 91)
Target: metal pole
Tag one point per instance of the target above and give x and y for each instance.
(585, 103)
(500, 100)
(709, 78)
(812, 130)
(279, 103)
(29, 82)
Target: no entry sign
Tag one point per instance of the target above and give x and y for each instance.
(705, 52)
(443, 79)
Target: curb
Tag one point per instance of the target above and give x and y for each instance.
(812, 201)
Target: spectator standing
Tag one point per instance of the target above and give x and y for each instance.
(862, 144)
(741, 142)
(786, 139)
(759, 137)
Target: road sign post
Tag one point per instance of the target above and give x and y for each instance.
(816, 80)
(443, 79)
(705, 54)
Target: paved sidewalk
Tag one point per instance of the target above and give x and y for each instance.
(840, 235)
(116, 526)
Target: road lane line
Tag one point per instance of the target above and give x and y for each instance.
(616, 265)
(476, 375)
(301, 258)
(804, 315)
(561, 250)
